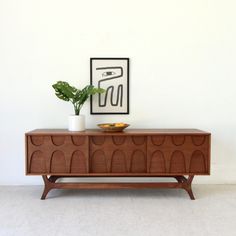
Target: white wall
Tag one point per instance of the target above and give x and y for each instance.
(183, 72)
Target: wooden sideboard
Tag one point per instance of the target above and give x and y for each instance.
(175, 153)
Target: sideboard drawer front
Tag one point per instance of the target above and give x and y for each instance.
(178, 154)
(118, 154)
(55, 154)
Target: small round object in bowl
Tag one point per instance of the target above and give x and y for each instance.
(113, 127)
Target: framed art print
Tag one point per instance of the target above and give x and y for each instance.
(111, 74)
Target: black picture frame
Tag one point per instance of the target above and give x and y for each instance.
(107, 64)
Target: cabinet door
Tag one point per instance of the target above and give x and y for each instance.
(178, 154)
(118, 154)
(57, 154)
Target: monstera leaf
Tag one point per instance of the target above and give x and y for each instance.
(66, 92)
(82, 95)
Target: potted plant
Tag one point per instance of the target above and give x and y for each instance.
(77, 97)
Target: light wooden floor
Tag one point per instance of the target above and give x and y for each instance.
(118, 212)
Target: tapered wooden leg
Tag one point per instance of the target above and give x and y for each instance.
(47, 186)
(53, 178)
(190, 193)
(179, 179)
(188, 187)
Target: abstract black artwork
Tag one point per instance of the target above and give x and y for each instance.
(111, 74)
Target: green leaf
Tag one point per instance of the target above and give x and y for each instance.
(62, 97)
(98, 90)
(66, 92)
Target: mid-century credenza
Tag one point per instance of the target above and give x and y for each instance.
(177, 153)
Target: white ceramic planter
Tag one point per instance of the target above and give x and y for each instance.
(76, 123)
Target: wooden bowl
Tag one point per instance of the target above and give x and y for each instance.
(111, 127)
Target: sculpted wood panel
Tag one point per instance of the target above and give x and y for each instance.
(57, 154)
(197, 163)
(118, 162)
(78, 163)
(37, 164)
(157, 163)
(177, 162)
(178, 154)
(58, 162)
(118, 153)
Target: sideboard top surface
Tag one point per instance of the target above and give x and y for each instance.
(90, 132)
